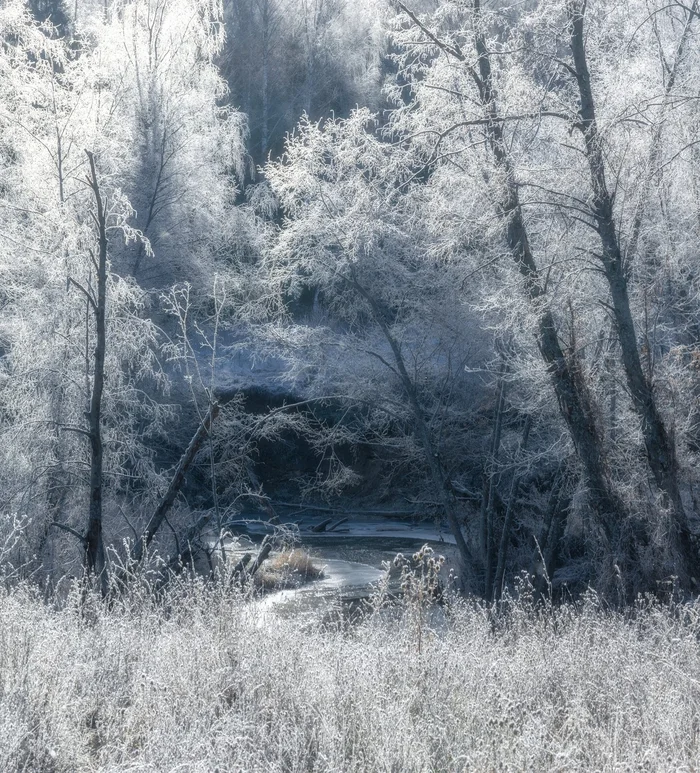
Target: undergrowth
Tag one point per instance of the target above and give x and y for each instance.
(202, 680)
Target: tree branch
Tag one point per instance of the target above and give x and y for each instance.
(63, 526)
(454, 51)
(83, 290)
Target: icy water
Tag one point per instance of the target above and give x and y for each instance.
(353, 559)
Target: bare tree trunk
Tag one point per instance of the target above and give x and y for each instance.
(158, 185)
(496, 588)
(660, 449)
(486, 530)
(94, 551)
(139, 548)
(559, 504)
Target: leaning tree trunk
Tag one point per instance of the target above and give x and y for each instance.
(168, 500)
(94, 545)
(220, 398)
(660, 449)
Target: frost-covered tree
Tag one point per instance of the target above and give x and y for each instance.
(390, 331)
(283, 58)
(181, 148)
(50, 267)
(519, 115)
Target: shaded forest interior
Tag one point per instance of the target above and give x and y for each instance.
(433, 257)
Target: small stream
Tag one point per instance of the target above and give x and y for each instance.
(352, 558)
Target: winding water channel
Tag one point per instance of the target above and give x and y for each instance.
(352, 557)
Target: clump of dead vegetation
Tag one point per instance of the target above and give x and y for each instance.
(288, 569)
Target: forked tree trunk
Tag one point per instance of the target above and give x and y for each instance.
(660, 448)
(575, 402)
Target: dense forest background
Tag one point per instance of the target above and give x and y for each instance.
(439, 257)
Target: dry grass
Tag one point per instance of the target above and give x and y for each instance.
(287, 569)
(200, 682)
